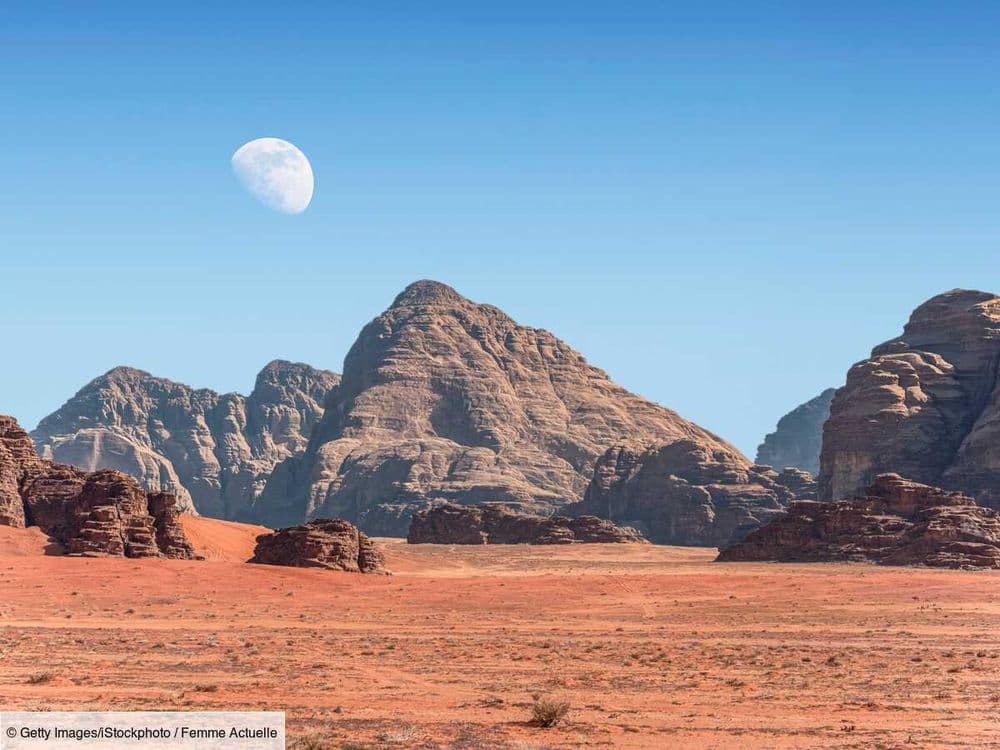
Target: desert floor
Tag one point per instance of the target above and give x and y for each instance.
(651, 646)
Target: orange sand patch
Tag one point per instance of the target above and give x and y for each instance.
(221, 540)
(653, 647)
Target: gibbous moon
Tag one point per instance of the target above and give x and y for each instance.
(276, 173)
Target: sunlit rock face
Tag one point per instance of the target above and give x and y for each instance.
(215, 451)
(444, 399)
(925, 405)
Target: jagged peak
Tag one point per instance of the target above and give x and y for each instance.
(427, 292)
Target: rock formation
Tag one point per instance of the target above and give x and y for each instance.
(448, 523)
(898, 522)
(925, 405)
(687, 492)
(443, 399)
(331, 543)
(798, 438)
(101, 513)
(215, 451)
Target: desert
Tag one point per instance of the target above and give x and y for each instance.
(651, 646)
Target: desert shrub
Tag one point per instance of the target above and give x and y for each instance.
(547, 712)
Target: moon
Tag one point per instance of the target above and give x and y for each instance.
(276, 173)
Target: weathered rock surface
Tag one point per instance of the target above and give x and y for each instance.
(214, 451)
(686, 492)
(798, 438)
(925, 405)
(448, 523)
(443, 399)
(101, 513)
(898, 522)
(331, 543)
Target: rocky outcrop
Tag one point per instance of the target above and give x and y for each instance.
(214, 451)
(101, 513)
(798, 438)
(925, 405)
(448, 523)
(898, 522)
(685, 492)
(443, 399)
(330, 543)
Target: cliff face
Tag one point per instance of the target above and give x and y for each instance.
(686, 492)
(101, 513)
(798, 438)
(446, 399)
(215, 451)
(925, 405)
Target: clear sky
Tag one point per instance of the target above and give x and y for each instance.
(724, 205)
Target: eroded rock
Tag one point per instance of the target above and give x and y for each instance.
(102, 513)
(443, 399)
(684, 492)
(215, 451)
(449, 523)
(925, 405)
(897, 522)
(330, 543)
(798, 439)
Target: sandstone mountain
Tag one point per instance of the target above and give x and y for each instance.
(688, 492)
(798, 438)
(448, 523)
(446, 399)
(101, 513)
(925, 405)
(215, 451)
(897, 522)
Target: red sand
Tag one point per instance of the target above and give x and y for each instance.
(652, 646)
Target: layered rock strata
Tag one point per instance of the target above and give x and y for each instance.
(925, 405)
(214, 451)
(897, 522)
(448, 523)
(329, 543)
(100, 513)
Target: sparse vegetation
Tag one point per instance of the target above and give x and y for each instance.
(547, 712)
(40, 678)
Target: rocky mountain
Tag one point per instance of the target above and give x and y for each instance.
(214, 450)
(448, 523)
(925, 405)
(100, 513)
(798, 438)
(444, 399)
(896, 522)
(688, 492)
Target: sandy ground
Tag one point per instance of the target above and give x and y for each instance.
(652, 647)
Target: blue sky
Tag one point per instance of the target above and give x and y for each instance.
(724, 205)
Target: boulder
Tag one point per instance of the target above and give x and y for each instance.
(329, 543)
(449, 523)
(897, 522)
